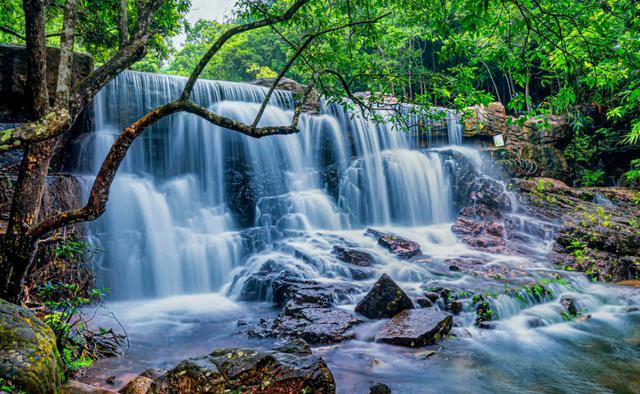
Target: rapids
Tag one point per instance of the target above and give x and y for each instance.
(195, 210)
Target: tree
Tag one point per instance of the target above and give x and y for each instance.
(135, 31)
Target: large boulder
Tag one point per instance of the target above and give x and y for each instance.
(598, 227)
(416, 327)
(308, 312)
(283, 371)
(386, 299)
(30, 360)
(402, 247)
(314, 325)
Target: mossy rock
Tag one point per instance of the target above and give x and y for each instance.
(30, 360)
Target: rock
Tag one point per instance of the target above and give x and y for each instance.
(379, 388)
(294, 346)
(312, 104)
(386, 299)
(402, 247)
(111, 379)
(425, 355)
(456, 306)
(598, 231)
(569, 304)
(487, 325)
(487, 121)
(314, 325)
(424, 302)
(416, 327)
(75, 387)
(30, 359)
(353, 256)
(248, 370)
(308, 312)
(138, 385)
(535, 322)
(583, 318)
(433, 296)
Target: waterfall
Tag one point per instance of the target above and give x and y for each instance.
(188, 189)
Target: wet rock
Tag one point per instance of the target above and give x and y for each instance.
(138, 385)
(75, 387)
(386, 299)
(487, 325)
(402, 247)
(535, 322)
(288, 290)
(314, 325)
(424, 302)
(354, 256)
(416, 327)
(30, 359)
(294, 346)
(584, 318)
(433, 296)
(379, 388)
(248, 370)
(425, 355)
(569, 305)
(598, 232)
(456, 306)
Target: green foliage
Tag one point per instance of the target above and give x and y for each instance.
(62, 303)
(7, 387)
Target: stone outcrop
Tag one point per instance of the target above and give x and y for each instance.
(386, 299)
(599, 228)
(308, 311)
(312, 106)
(416, 327)
(13, 67)
(285, 371)
(402, 247)
(533, 146)
(30, 359)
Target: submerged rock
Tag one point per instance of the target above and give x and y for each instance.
(248, 371)
(386, 299)
(402, 247)
(354, 256)
(379, 388)
(416, 327)
(30, 359)
(569, 304)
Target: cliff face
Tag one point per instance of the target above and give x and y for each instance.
(13, 69)
(533, 146)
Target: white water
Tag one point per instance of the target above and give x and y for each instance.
(197, 209)
(172, 224)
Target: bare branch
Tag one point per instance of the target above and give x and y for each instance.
(12, 32)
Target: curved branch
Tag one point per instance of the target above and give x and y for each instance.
(97, 202)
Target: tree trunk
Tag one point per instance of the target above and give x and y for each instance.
(18, 248)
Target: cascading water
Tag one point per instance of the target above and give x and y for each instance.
(196, 211)
(187, 187)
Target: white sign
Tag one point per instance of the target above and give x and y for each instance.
(498, 141)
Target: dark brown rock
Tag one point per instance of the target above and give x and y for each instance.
(386, 299)
(248, 370)
(402, 247)
(416, 327)
(353, 256)
(379, 388)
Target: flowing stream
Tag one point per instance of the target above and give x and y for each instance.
(196, 210)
